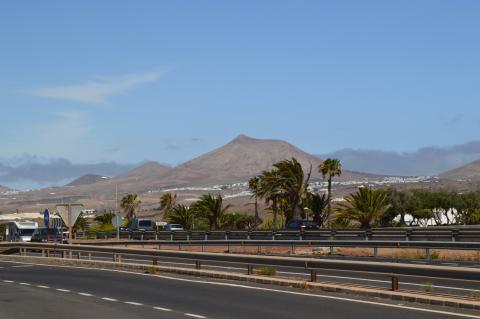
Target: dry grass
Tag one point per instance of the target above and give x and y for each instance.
(396, 253)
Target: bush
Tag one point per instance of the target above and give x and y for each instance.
(267, 271)
(427, 287)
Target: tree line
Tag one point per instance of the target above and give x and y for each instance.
(287, 196)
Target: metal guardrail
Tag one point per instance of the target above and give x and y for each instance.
(312, 264)
(458, 234)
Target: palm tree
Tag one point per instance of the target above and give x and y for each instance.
(105, 219)
(366, 206)
(329, 168)
(130, 203)
(183, 215)
(211, 207)
(317, 204)
(167, 203)
(81, 223)
(269, 189)
(290, 181)
(254, 185)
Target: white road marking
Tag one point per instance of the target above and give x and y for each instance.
(162, 309)
(24, 283)
(9, 281)
(374, 303)
(109, 299)
(133, 303)
(22, 266)
(194, 315)
(62, 290)
(378, 280)
(44, 287)
(85, 294)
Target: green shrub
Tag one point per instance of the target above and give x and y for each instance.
(267, 271)
(427, 287)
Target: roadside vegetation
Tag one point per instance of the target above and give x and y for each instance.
(286, 195)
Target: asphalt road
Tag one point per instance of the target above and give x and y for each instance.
(415, 283)
(56, 292)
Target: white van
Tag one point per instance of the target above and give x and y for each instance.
(20, 230)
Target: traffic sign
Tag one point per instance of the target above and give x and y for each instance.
(65, 210)
(46, 217)
(69, 213)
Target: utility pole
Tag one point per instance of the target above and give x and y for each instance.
(117, 216)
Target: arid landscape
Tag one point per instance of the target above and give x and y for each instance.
(225, 170)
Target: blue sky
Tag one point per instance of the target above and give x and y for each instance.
(128, 81)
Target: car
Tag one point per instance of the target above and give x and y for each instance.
(142, 224)
(41, 235)
(302, 224)
(174, 227)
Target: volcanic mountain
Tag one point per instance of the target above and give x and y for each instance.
(241, 159)
(87, 179)
(469, 172)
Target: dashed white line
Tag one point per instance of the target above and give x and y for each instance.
(133, 303)
(9, 281)
(376, 303)
(85, 294)
(22, 266)
(44, 287)
(162, 309)
(109, 299)
(24, 283)
(62, 290)
(194, 315)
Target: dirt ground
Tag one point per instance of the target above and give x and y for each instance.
(401, 253)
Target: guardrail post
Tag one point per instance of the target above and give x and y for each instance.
(156, 236)
(333, 234)
(249, 270)
(89, 256)
(248, 234)
(188, 235)
(394, 283)
(43, 252)
(273, 235)
(141, 237)
(154, 261)
(332, 250)
(368, 234)
(79, 255)
(206, 236)
(198, 265)
(455, 234)
(313, 275)
(375, 251)
(302, 234)
(259, 249)
(292, 250)
(171, 236)
(408, 234)
(70, 254)
(427, 253)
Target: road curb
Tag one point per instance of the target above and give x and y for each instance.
(406, 296)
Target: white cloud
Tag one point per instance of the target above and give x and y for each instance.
(96, 91)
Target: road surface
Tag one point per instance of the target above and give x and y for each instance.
(29, 291)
